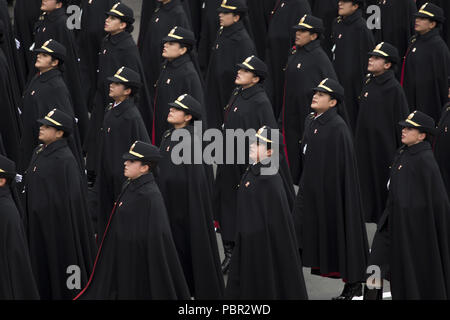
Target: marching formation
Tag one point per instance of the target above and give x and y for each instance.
(319, 122)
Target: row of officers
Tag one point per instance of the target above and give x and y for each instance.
(155, 240)
(154, 236)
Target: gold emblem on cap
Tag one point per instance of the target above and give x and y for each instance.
(247, 63)
(302, 23)
(422, 10)
(135, 153)
(44, 46)
(118, 76)
(114, 9)
(224, 5)
(181, 98)
(322, 85)
(173, 35)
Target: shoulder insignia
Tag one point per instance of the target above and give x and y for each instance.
(167, 133)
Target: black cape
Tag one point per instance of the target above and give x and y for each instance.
(116, 51)
(247, 109)
(425, 72)
(328, 210)
(306, 67)
(259, 14)
(327, 10)
(177, 77)
(137, 259)
(187, 194)
(259, 268)
(26, 13)
(89, 40)
(232, 46)
(43, 93)
(411, 245)
(122, 126)
(53, 25)
(10, 125)
(352, 40)
(382, 105)
(208, 33)
(397, 23)
(59, 229)
(164, 18)
(16, 277)
(442, 147)
(280, 39)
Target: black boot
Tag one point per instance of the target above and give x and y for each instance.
(228, 250)
(373, 294)
(350, 291)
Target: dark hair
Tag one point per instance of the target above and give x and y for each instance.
(429, 137)
(185, 45)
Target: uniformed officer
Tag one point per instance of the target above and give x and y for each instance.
(259, 268)
(382, 104)
(352, 40)
(248, 108)
(45, 91)
(280, 39)
(59, 228)
(179, 75)
(186, 188)
(117, 49)
(137, 257)
(427, 64)
(53, 24)
(411, 245)
(16, 277)
(122, 125)
(307, 65)
(167, 15)
(328, 211)
(232, 45)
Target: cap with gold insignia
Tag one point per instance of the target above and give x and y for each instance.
(268, 136)
(421, 121)
(311, 24)
(431, 12)
(361, 3)
(123, 12)
(189, 105)
(142, 151)
(59, 120)
(255, 65)
(180, 35)
(54, 49)
(233, 6)
(332, 87)
(387, 51)
(126, 76)
(7, 168)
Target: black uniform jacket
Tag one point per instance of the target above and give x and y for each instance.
(306, 67)
(232, 46)
(122, 126)
(137, 258)
(280, 39)
(266, 262)
(59, 229)
(425, 72)
(352, 41)
(382, 105)
(187, 194)
(442, 147)
(328, 211)
(177, 77)
(16, 277)
(412, 237)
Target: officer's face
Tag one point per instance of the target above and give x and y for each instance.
(114, 25)
(411, 136)
(424, 25)
(303, 37)
(178, 118)
(117, 90)
(347, 8)
(172, 50)
(245, 78)
(44, 61)
(259, 152)
(322, 101)
(227, 19)
(377, 65)
(50, 5)
(49, 134)
(134, 169)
